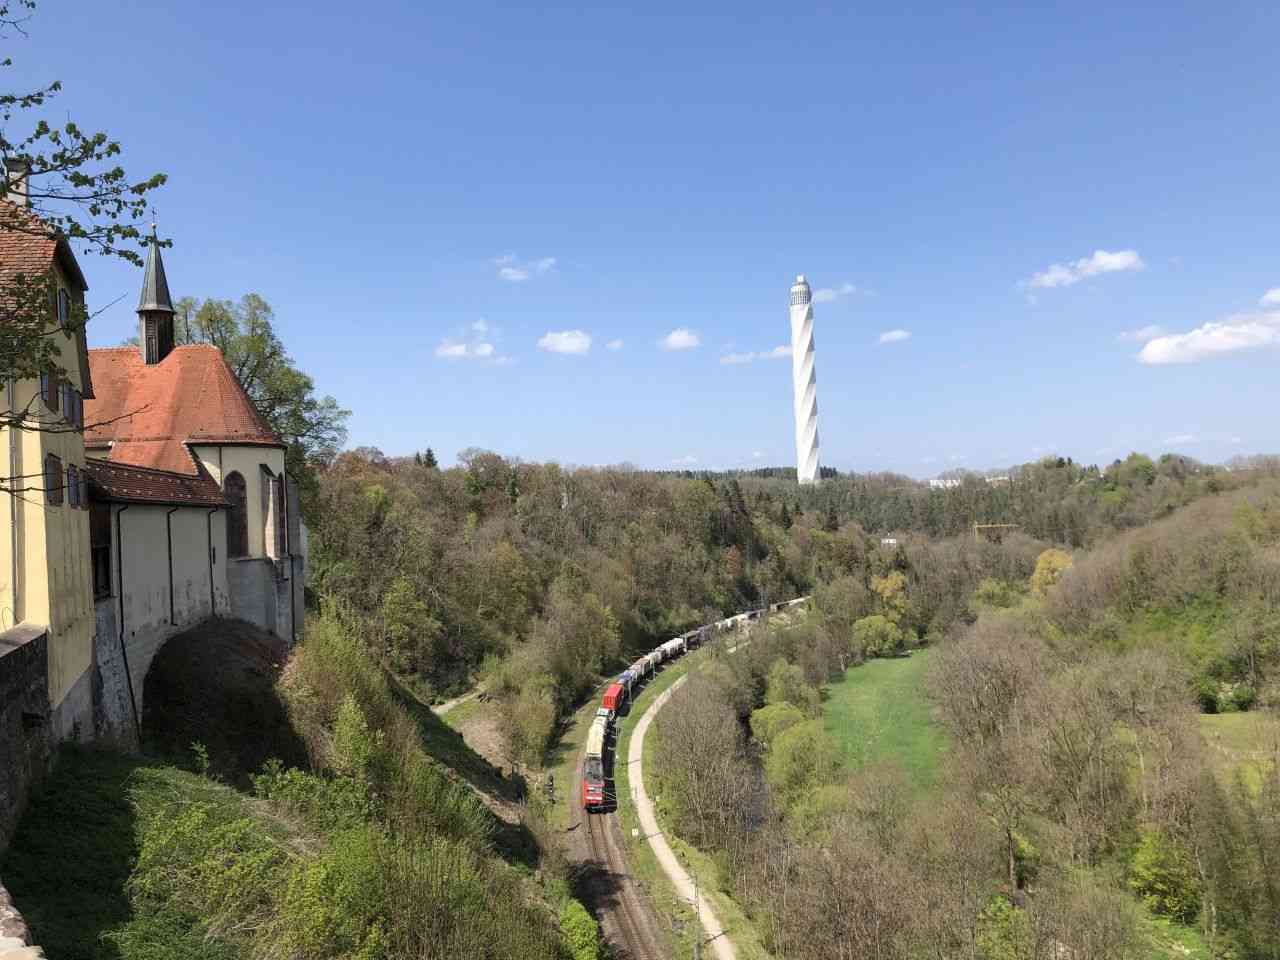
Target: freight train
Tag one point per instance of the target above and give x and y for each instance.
(626, 687)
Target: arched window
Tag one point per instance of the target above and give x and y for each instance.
(237, 515)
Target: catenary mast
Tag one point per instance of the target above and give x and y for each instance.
(804, 382)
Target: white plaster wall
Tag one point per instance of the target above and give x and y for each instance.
(143, 576)
(248, 460)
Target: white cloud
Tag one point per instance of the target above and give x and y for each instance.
(1181, 438)
(1143, 334)
(471, 342)
(1101, 261)
(1271, 298)
(828, 294)
(757, 454)
(1242, 331)
(514, 270)
(458, 350)
(687, 461)
(1236, 441)
(613, 345)
(777, 353)
(565, 341)
(894, 336)
(681, 338)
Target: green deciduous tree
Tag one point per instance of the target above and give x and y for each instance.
(802, 758)
(314, 427)
(878, 636)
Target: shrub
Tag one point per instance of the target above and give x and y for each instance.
(1162, 874)
(786, 684)
(768, 722)
(877, 636)
(1004, 932)
(1000, 594)
(580, 932)
(1206, 689)
(1049, 567)
(1244, 697)
(803, 758)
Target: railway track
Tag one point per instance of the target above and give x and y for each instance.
(605, 885)
(632, 920)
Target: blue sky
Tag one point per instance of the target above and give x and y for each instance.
(424, 192)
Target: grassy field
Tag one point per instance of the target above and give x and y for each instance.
(879, 711)
(1244, 743)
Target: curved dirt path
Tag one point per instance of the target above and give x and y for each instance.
(440, 709)
(667, 859)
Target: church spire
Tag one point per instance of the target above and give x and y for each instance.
(155, 306)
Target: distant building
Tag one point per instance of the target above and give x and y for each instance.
(888, 541)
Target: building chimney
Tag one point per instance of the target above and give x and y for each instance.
(17, 181)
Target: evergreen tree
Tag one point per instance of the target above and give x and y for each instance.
(429, 459)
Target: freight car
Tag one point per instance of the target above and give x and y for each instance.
(613, 698)
(622, 689)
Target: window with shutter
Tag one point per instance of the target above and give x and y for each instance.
(55, 388)
(53, 480)
(73, 486)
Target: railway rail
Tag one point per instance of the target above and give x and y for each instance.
(625, 915)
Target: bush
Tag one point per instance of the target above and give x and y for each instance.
(803, 758)
(999, 594)
(877, 636)
(1244, 697)
(786, 684)
(1004, 932)
(1049, 567)
(1162, 874)
(1207, 694)
(768, 722)
(580, 931)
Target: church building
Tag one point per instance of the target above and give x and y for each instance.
(146, 494)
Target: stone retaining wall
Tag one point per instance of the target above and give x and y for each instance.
(25, 729)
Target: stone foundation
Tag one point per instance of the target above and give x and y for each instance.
(26, 728)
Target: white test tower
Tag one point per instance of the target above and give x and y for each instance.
(804, 381)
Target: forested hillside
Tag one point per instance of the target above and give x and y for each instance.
(1087, 800)
(542, 578)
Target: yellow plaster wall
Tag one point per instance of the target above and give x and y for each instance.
(55, 580)
(248, 460)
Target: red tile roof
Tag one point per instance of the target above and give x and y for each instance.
(29, 246)
(120, 483)
(149, 413)
(26, 244)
